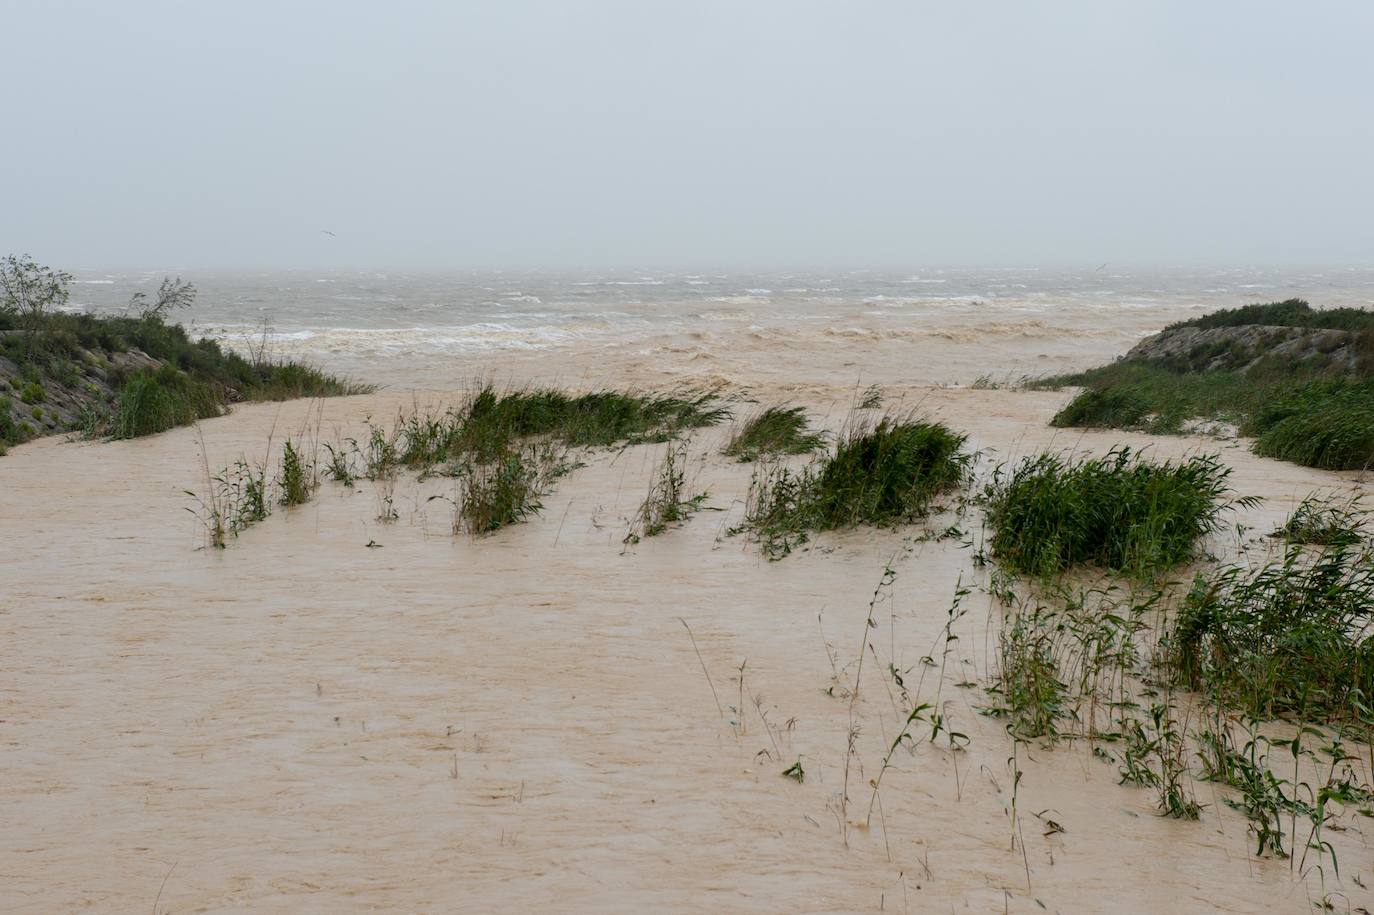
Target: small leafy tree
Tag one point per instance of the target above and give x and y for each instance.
(30, 290)
(172, 294)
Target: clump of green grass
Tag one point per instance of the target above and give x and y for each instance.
(507, 489)
(884, 474)
(298, 476)
(1154, 755)
(245, 497)
(1326, 424)
(1139, 395)
(1034, 696)
(1326, 521)
(1110, 408)
(597, 418)
(773, 431)
(233, 499)
(490, 423)
(1119, 512)
(340, 465)
(667, 503)
(888, 474)
(286, 380)
(1289, 637)
(154, 401)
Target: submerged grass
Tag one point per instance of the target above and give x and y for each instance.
(883, 474)
(1120, 512)
(486, 426)
(1289, 637)
(508, 447)
(668, 502)
(1324, 521)
(776, 430)
(507, 489)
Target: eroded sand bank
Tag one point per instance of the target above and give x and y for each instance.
(521, 723)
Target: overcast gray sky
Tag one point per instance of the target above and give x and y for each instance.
(697, 133)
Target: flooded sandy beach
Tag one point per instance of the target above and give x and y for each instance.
(546, 719)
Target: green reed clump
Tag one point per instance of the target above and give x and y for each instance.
(667, 503)
(1154, 755)
(490, 423)
(773, 431)
(1120, 512)
(885, 474)
(1289, 637)
(154, 401)
(382, 456)
(1065, 655)
(1033, 695)
(1150, 397)
(507, 489)
(1324, 522)
(1111, 408)
(283, 380)
(298, 479)
(245, 495)
(1326, 424)
(597, 418)
(232, 500)
(340, 465)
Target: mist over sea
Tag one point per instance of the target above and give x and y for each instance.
(386, 323)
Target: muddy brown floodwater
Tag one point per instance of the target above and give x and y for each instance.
(541, 720)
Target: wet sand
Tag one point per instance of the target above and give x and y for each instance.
(522, 723)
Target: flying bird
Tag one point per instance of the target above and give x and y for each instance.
(329, 233)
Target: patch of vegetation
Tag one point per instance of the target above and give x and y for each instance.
(885, 474)
(507, 489)
(1288, 313)
(1120, 512)
(1289, 637)
(99, 360)
(667, 503)
(598, 418)
(1033, 692)
(774, 431)
(298, 478)
(155, 401)
(1149, 397)
(1324, 522)
(233, 500)
(1312, 410)
(1326, 424)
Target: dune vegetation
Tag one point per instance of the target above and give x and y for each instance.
(886, 473)
(1119, 512)
(123, 375)
(1297, 379)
